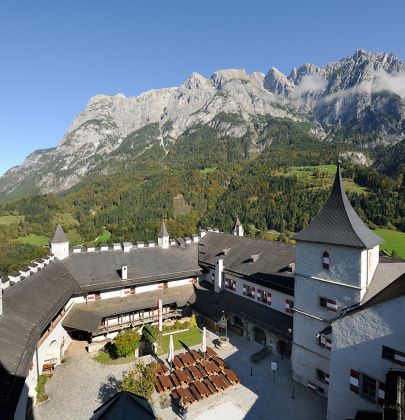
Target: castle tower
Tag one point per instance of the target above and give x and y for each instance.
(336, 257)
(238, 229)
(60, 244)
(163, 236)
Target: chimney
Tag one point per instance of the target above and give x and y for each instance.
(219, 268)
(124, 272)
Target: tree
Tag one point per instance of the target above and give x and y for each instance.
(140, 380)
(149, 333)
(126, 342)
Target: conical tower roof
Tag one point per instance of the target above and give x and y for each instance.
(59, 236)
(337, 223)
(238, 223)
(163, 231)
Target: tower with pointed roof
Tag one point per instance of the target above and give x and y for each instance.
(336, 257)
(163, 236)
(238, 228)
(60, 244)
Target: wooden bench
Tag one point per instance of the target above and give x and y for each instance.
(185, 396)
(158, 386)
(195, 392)
(211, 352)
(202, 389)
(174, 379)
(197, 356)
(166, 382)
(232, 376)
(210, 386)
(225, 380)
(197, 375)
(177, 362)
(187, 359)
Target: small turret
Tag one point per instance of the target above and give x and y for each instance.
(238, 229)
(60, 244)
(163, 236)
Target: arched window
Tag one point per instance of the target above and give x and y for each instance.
(325, 260)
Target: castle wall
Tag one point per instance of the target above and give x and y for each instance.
(357, 344)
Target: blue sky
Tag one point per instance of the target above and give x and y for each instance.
(55, 55)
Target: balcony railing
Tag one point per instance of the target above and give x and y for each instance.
(137, 322)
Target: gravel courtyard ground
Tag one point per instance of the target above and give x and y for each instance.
(81, 384)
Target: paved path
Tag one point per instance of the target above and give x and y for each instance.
(78, 387)
(81, 384)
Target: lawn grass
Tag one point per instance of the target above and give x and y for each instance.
(34, 240)
(8, 220)
(190, 338)
(103, 238)
(392, 240)
(105, 359)
(305, 175)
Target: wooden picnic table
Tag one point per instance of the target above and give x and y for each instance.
(217, 381)
(195, 392)
(161, 368)
(225, 380)
(195, 372)
(187, 359)
(158, 386)
(166, 382)
(175, 380)
(211, 352)
(202, 369)
(177, 362)
(181, 376)
(232, 376)
(202, 389)
(186, 396)
(197, 356)
(209, 366)
(210, 386)
(219, 362)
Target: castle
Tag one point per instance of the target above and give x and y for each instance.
(331, 303)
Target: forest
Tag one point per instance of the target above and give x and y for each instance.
(281, 189)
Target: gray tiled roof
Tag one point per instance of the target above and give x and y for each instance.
(163, 231)
(268, 269)
(337, 223)
(101, 270)
(28, 307)
(212, 304)
(59, 236)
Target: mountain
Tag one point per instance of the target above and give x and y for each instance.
(359, 99)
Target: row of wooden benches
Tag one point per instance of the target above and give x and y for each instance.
(185, 376)
(199, 390)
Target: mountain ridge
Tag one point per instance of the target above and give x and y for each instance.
(360, 96)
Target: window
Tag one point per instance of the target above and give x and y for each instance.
(324, 342)
(230, 284)
(249, 291)
(325, 261)
(329, 304)
(322, 376)
(388, 353)
(394, 355)
(369, 387)
(263, 296)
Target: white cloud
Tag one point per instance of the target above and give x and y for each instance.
(311, 83)
(391, 82)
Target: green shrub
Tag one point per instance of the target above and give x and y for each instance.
(125, 343)
(40, 388)
(149, 333)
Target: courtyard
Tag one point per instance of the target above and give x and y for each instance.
(81, 384)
